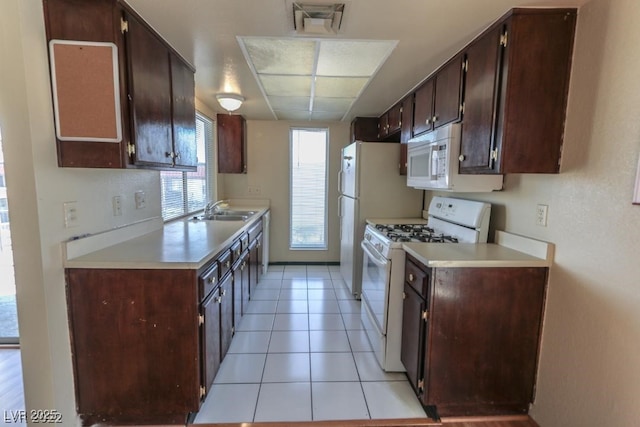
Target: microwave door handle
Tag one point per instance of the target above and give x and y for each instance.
(433, 154)
(371, 253)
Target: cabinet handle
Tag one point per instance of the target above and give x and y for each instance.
(201, 319)
(427, 122)
(411, 278)
(177, 155)
(168, 154)
(435, 119)
(218, 300)
(227, 264)
(223, 292)
(212, 280)
(461, 157)
(238, 252)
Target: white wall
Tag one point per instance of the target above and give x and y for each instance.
(589, 372)
(268, 168)
(37, 189)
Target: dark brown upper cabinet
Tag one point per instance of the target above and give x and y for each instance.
(231, 144)
(364, 129)
(154, 100)
(516, 88)
(405, 131)
(183, 117)
(423, 108)
(438, 100)
(390, 123)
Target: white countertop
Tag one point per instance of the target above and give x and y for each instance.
(510, 250)
(180, 244)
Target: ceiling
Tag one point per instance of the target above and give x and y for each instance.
(210, 34)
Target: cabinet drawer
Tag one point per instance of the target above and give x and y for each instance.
(416, 278)
(254, 231)
(208, 281)
(244, 240)
(236, 251)
(224, 263)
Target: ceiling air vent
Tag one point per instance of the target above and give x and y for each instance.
(317, 19)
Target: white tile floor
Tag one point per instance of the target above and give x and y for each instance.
(300, 354)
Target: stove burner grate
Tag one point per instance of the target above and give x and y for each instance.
(414, 233)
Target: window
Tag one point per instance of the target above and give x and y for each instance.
(184, 193)
(308, 189)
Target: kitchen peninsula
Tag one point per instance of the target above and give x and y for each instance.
(151, 317)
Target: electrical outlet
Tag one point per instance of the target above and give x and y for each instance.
(141, 201)
(70, 214)
(254, 189)
(541, 215)
(117, 205)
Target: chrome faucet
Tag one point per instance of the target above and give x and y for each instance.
(211, 208)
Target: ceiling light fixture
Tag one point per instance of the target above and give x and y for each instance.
(230, 101)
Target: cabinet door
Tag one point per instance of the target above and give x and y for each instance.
(394, 120)
(184, 115)
(481, 91)
(406, 129)
(231, 144)
(226, 314)
(364, 129)
(244, 268)
(484, 337)
(240, 288)
(412, 349)
(253, 261)
(237, 294)
(210, 338)
(149, 94)
(383, 126)
(95, 21)
(259, 255)
(448, 93)
(423, 108)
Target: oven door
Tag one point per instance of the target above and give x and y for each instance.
(376, 273)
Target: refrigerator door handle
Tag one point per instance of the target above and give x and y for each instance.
(340, 181)
(340, 215)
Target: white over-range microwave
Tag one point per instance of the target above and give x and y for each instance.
(433, 164)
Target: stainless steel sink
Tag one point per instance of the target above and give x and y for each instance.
(217, 217)
(226, 215)
(234, 213)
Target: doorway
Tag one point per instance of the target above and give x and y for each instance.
(8, 311)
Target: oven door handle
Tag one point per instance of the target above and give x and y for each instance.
(377, 259)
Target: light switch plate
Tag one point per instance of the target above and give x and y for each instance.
(70, 214)
(117, 205)
(141, 201)
(541, 215)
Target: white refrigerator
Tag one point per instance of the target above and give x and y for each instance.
(370, 186)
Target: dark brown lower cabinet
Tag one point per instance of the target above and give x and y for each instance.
(147, 344)
(472, 349)
(135, 354)
(226, 314)
(240, 288)
(210, 338)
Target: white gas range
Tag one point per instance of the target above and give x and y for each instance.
(449, 221)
